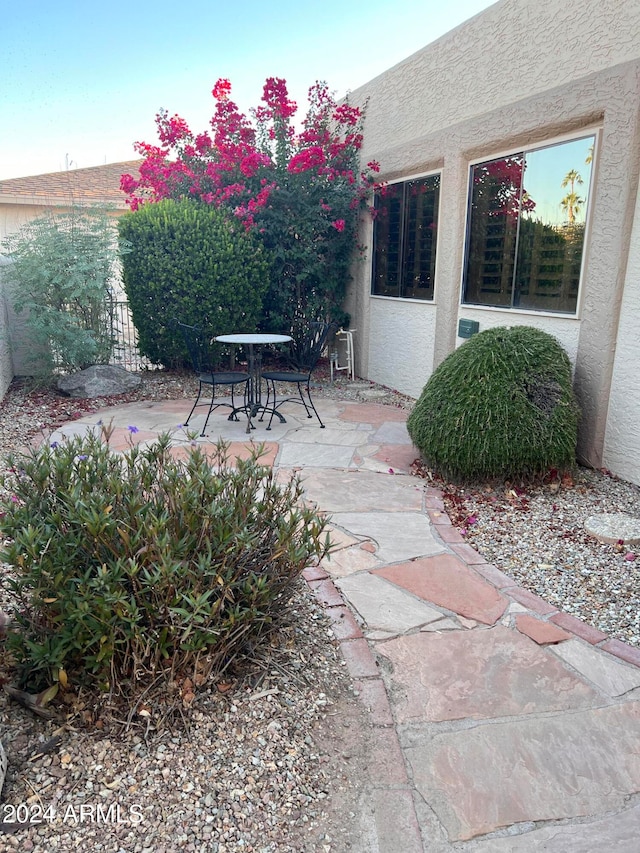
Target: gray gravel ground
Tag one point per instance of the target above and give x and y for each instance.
(536, 536)
(268, 766)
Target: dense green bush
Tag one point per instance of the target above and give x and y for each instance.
(194, 262)
(63, 271)
(501, 405)
(129, 567)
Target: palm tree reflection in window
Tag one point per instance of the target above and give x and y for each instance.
(525, 235)
(572, 202)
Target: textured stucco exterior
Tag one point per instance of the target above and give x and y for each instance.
(398, 361)
(475, 95)
(565, 329)
(622, 438)
(14, 215)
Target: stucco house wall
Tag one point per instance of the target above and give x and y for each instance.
(622, 437)
(522, 73)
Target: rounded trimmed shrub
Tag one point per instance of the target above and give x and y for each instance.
(195, 262)
(500, 406)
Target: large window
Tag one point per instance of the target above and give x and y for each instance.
(404, 238)
(525, 228)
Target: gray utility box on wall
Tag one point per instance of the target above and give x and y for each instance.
(467, 328)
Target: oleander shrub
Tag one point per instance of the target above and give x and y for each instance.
(194, 262)
(500, 406)
(130, 567)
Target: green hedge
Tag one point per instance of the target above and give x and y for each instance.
(193, 262)
(500, 406)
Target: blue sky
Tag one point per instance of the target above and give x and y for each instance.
(80, 82)
(545, 171)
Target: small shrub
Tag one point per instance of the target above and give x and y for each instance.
(500, 406)
(194, 262)
(63, 273)
(129, 567)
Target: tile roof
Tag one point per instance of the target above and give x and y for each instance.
(97, 183)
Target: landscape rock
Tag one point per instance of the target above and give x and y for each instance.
(613, 527)
(101, 380)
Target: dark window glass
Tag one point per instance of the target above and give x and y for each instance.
(526, 224)
(404, 238)
(387, 233)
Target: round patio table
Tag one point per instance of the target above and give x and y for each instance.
(254, 342)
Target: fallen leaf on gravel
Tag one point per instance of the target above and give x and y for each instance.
(34, 702)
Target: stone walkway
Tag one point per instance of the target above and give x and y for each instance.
(501, 725)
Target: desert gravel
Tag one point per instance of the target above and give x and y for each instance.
(256, 769)
(536, 535)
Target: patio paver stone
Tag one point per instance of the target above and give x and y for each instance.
(482, 673)
(447, 582)
(531, 769)
(611, 676)
(383, 607)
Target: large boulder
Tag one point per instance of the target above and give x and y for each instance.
(101, 380)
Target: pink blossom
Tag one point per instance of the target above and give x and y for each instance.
(307, 159)
(233, 165)
(276, 96)
(252, 161)
(221, 90)
(171, 130)
(344, 114)
(203, 143)
(128, 184)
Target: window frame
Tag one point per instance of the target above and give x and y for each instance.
(583, 133)
(398, 297)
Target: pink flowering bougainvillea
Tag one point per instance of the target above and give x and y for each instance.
(501, 181)
(301, 190)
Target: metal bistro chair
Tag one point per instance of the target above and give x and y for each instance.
(198, 349)
(304, 353)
